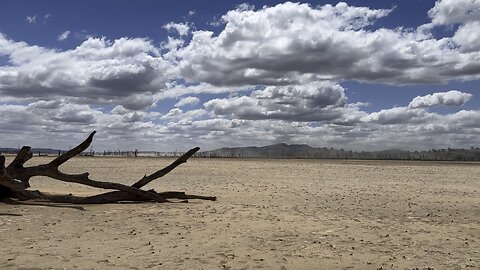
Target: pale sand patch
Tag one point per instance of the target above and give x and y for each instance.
(271, 214)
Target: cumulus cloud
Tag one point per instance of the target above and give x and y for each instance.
(319, 101)
(40, 120)
(120, 110)
(416, 112)
(47, 116)
(187, 101)
(455, 11)
(173, 113)
(61, 112)
(396, 127)
(450, 98)
(63, 36)
(467, 37)
(397, 115)
(278, 73)
(256, 47)
(172, 44)
(290, 43)
(181, 28)
(98, 70)
(466, 14)
(16, 118)
(182, 117)
(429, 130)
(262, 47)
(175, 90)
(138, 101)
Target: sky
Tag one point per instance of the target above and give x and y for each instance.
(171, 75)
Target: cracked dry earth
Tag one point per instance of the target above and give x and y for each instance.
(270, 214)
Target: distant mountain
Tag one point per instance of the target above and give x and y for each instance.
(280, 150)
(283, 150)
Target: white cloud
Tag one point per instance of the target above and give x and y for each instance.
(450, 98)
(175, 112)
(455, 11)
(397, 115)
(138, 101)
(256, 47)
(124, 71)
(46, 17)
(120, 110)
(468, 37)
(31, 19)
(173, 44)
(320, 101)
(466, 13)
(40, 120)
(181, 117)
(181, 28)
(265, 47)
(278, 71)
(187, 101)
(176, 90)
(415, 113)
(400, 127)
(63, 35)
(245, 7)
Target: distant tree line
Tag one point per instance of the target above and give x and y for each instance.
(300, 151)
(289, 151)
(117, 153)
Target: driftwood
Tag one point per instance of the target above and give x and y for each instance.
(15, 181)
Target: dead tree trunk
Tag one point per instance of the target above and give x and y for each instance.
(15, 178)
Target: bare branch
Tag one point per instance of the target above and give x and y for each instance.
(3, 171)
(73, 152)
(183, 159)
(54, 173)
(16, 189)
(23, 156)
(5, 179)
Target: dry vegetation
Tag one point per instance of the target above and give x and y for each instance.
(273, 214)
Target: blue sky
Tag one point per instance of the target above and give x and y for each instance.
(168, 75)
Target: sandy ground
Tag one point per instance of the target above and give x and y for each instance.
(271, 214)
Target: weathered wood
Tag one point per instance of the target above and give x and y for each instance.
(117, 196)
(73, 152)
(160, 173)
(23, 156)
(10, 185)
(6, 180)
(3, 170)
(54, 173)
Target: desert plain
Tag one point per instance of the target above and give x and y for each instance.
(270, 214)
